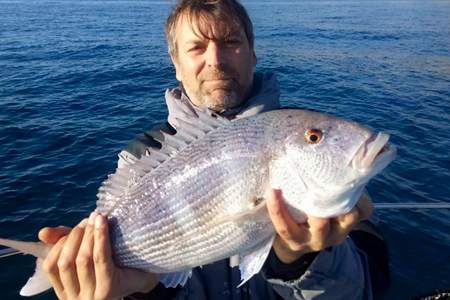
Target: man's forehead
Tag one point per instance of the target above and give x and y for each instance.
(206, 27)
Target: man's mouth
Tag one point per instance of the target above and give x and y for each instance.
(218, 80)
(219, 83)
(212, 79)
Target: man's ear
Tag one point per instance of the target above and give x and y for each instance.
(176, 65)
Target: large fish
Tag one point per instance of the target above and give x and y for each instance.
(200, 198)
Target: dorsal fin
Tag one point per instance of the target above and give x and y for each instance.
(189, 130)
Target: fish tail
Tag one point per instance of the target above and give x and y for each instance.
(36, 249)
(39, 282)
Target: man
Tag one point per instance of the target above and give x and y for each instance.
(211, 46)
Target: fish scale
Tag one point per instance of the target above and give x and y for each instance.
(198, 201)
(193, 247)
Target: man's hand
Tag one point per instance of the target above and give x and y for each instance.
(293, 239)
(80, 264)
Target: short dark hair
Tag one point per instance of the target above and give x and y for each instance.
(229, 12)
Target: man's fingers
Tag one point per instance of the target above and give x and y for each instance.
(66, 261)
(361, 211)
(50, 235)
(364, 206)
(103, 264)
(284, 224)
(50, 266)
(319, 229)
(347, 221)
(84, 261)
(342, 225)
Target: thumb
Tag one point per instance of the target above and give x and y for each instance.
(51, 235)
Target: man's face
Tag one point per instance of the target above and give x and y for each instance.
(216, 73)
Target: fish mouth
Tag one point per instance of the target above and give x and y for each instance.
(374, 151)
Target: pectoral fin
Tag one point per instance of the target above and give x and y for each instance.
(258, 209)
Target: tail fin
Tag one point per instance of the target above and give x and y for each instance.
(36, 249)
(39, 282)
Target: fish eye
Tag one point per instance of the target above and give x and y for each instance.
(313, 136)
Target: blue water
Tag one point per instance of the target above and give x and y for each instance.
(78, 79)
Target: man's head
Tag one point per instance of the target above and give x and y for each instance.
(211, 46)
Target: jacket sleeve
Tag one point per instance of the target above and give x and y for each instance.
(356, 269)
(335, 273)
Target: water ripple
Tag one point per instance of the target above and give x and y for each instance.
(78, 80)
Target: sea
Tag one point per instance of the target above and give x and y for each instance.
(79, 79)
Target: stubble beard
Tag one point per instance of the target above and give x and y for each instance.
(218, 98)
(221, 100)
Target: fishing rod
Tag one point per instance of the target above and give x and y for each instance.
(8, 252)
(412, 205)
(402, 205)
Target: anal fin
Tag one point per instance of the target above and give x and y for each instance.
(174, 279)
(37, 283)
(252, 262)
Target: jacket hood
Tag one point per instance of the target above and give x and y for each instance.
(265, 96)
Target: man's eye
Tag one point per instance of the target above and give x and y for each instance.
(195, 48)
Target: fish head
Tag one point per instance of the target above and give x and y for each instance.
(323, 162)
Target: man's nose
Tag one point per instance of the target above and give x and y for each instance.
(215, 54)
